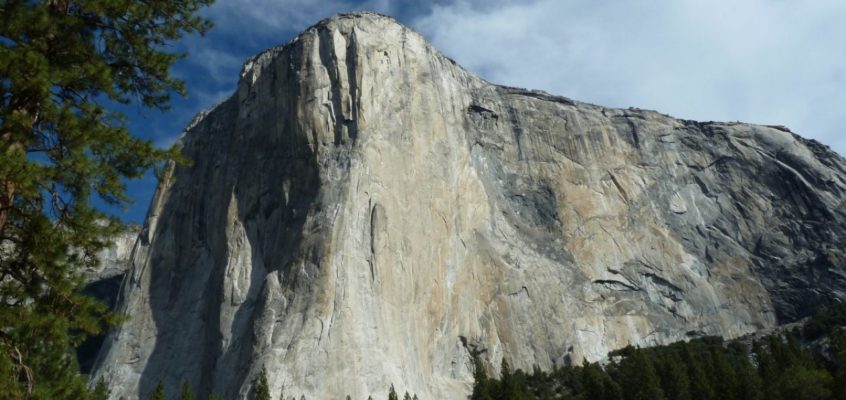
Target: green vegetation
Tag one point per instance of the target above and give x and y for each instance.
(61, 63)
(262, 387)
(100, 391)
(776, 367)
(825, 321)
(186, 394)
(158, 392)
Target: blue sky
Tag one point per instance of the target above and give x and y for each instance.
(778, 62)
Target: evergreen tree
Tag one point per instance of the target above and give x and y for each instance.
(262, 387)
(700, 386)
(801, 383)
(392, 394)
(186, 394)
(101, 391)
(509, 388)
(748, 382)
(60, 149)
(638, 378)
(481, 386)
(214, 396)
(158, 392)
(838, 343)
(596, 384)
(723, 376)
(406, 396)
(673, 376)
(826, 321)
(542, 383)
(767, 370)
(704, 368)
(592, 384)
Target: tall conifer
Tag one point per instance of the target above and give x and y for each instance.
(262, 387)
(61, 148)
(158, 392)
(186, 393)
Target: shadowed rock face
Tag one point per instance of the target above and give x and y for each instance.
(103, 283)
(361, 203)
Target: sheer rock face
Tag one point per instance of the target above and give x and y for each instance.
(361, 204)
(103, 282)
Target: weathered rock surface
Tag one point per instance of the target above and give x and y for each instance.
(361, 203)
(104, 283)
(116, 259)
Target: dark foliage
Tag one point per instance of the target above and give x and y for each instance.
(776, 367)
(262, 386)
(61, 63)
(825, 321)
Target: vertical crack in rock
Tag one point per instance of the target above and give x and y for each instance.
(353, 77)
(378, 230)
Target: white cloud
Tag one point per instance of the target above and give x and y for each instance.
(762, 61)
(217, 63)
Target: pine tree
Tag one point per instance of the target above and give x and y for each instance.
(262, 387)
(101, 391)
(158, 392)
(406, 396)
(767, 370)
(723, 376)
(638, 378)
(802, 383)
(481, 385)
(748, 383)
(596, 384)
(509, 387)
(674, 377)
(838, 343)
(186, 394)
(392, 394)
(61, 61)
(214, 396)
(700, 387)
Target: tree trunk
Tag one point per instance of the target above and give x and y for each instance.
(7, 196)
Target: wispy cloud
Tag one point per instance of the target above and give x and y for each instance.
(765, 61)
(215, 63)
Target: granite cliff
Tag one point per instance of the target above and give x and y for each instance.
(362, 207)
